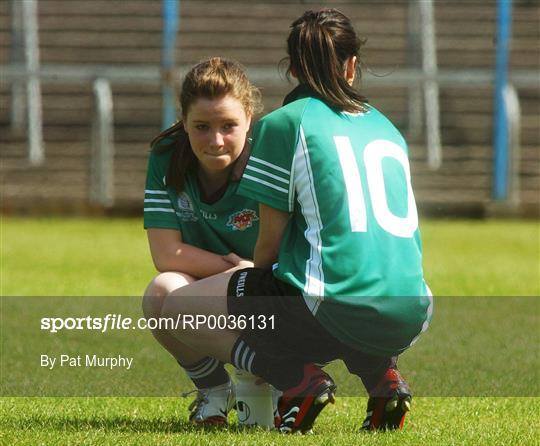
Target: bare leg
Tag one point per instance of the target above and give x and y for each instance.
(206, 297)
(154, 296)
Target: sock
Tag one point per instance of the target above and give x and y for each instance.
(208, 372)
(282, 373)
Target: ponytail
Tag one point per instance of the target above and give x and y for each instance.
(319, 45)
(182, 160)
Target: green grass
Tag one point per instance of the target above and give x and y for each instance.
(110, 257)
(161, 421)
(71, 257)
(58, 257)
(482, 258)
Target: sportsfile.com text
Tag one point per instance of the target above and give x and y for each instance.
(181, 322)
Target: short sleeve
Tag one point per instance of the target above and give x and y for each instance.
(268, 174)
(158, 209)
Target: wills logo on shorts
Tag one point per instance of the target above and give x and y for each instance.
(185, 207)
(241, 284)
(240, 221)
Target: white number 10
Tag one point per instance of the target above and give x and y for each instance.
(374, 152)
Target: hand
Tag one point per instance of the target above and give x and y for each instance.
(238, 261)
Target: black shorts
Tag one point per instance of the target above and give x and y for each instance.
(295, 332)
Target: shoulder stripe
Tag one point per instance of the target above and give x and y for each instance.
(155, 200)
(156, 192)
(158, 210)
(266, 163)
(266, 183)
(275, 177)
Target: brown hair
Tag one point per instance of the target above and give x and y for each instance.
(319, 44)
(210, 79)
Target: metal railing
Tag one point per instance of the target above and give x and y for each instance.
(430, 85)
(408, 78)
(513, 112)
(102, 160)
(36, 153)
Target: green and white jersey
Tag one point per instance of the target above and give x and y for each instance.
(229, 225)
(352, 245)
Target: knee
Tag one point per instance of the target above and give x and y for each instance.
(151, 305)
(158, 289)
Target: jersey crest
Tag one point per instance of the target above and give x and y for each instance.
(242, 220)
(185, 207)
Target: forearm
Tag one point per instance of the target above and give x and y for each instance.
(271, 228)
(238, 261)
(191, 260)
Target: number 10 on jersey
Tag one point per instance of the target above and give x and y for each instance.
(374, 152)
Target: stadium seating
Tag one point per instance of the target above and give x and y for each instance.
(120, 33)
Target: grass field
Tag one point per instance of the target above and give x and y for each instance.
(81, 257)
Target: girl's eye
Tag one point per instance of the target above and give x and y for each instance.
(229, 126)
(201, 126)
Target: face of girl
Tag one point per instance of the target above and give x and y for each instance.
(217, 130)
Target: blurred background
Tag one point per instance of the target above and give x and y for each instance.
(86, 85)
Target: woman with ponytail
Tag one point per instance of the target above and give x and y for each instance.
(196, 224)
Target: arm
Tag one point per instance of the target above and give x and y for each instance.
(169, 253)
(271, 227)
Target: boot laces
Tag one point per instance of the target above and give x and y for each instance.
(199, 402)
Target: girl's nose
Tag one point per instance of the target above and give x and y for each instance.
(217, 139)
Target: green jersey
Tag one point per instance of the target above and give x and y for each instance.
(231, 224)
(352, 245)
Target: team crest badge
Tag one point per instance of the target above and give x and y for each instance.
(186, 209)
(242, 220)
